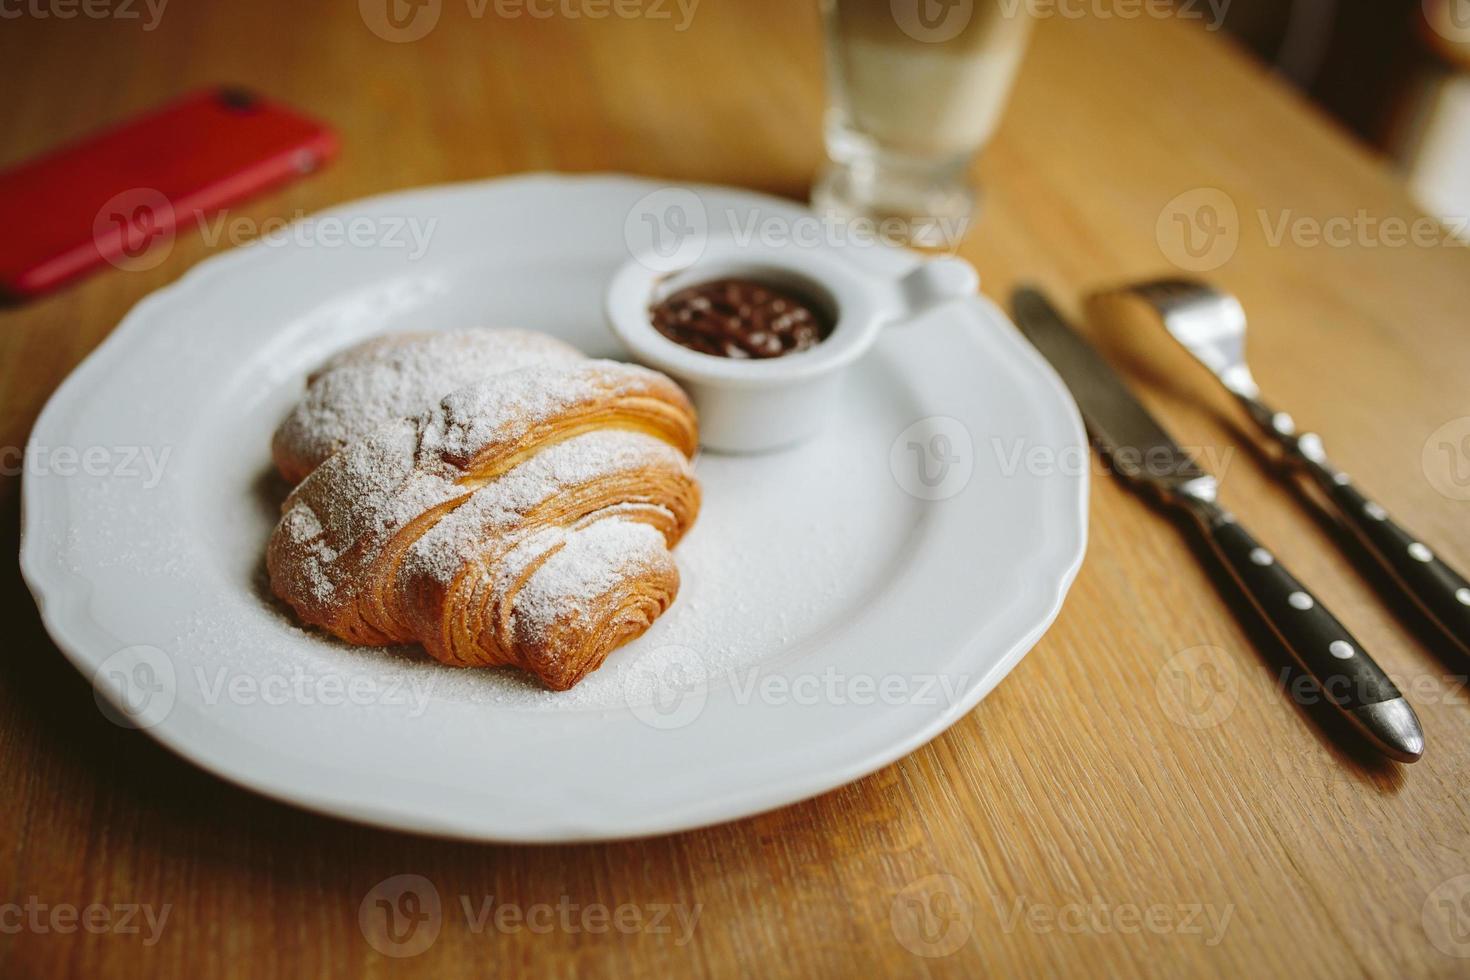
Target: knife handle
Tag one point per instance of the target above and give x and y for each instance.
(1432, 585)
(1349, 679)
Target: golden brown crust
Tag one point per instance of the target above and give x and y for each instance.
(526, 520)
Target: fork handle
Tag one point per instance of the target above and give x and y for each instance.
(1347, 676)
(1435, 587)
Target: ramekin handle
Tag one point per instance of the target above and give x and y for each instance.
(935, 282)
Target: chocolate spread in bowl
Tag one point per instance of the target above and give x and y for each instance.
(741, 318)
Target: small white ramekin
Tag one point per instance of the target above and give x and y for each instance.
(762, 404)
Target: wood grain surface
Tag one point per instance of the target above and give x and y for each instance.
(1143, 796)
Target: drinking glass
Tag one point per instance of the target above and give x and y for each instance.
(915, 90)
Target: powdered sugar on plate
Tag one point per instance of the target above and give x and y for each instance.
(812, 560)
(785, 548)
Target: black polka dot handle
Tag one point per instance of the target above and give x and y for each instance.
(1347, 676)
(1427, 580)
(1434, 586)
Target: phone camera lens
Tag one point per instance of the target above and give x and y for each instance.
(237, 99)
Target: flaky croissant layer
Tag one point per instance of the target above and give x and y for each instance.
(524, 519)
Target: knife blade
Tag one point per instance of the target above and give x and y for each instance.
(1142, 451)
(1121, 428)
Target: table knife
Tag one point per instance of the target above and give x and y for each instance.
(1142, 453)
(1211, 325)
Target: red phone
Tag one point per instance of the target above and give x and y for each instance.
(114, 196)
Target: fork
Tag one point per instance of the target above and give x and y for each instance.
(1211, 325)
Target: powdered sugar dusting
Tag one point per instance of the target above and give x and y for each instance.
(394, 535)
(401, 375)
(361, 496)
(499, 508)
(788, 547)
(481, 413)
(374, 487)
(594, 560)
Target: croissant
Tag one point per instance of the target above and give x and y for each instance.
(523, 519)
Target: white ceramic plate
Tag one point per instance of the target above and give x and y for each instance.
(840, 606)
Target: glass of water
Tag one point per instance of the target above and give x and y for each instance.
(915, 90)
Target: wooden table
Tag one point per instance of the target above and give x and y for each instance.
(1066, 826)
